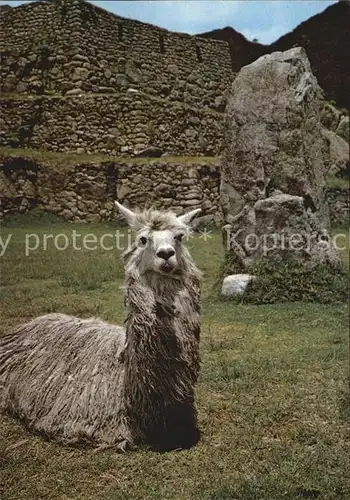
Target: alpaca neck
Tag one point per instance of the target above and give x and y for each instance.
(158, 308)
(162, 334)
(155, 300)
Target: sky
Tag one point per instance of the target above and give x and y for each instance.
(255, 19)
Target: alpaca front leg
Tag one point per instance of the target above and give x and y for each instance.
(126, 440)
(181, 428)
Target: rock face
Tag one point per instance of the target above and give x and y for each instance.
(273, 191)
(235, 284)
(339, 206)
(335, 132)
(343, 128)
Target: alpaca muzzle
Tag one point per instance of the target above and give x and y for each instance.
(167, 267)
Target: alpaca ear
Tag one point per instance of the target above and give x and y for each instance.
(188, 218)
(126, 213)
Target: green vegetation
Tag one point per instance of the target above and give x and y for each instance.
(284, 281)
(332, 181)
(62, 160)
(281, 280)
(271, 396)
(35, 217)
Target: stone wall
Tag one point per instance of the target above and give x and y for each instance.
(108, 84)
(72, 45)
(115, 124)
(18, 185)
(79, 192)
(172, 185)
(86, 191)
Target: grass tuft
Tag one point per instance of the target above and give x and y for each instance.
(34, 218)
(333, 181)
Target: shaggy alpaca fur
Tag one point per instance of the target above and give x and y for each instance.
(83, 380)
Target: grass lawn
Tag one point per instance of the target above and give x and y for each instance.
(271, 396)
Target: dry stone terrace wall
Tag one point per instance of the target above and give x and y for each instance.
(71, 45)
(78, 193)
(178, 66)
(33, 41)
(18, 186)
(121, 124)
(28, 25)
(86, 192)
(69, 51)
(172, 185)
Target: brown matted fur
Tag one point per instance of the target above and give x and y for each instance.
(86, 381)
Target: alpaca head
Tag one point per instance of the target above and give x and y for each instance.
(158, 242)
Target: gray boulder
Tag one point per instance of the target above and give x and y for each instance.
(235, 284)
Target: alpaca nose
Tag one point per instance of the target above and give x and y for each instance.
(165, 253)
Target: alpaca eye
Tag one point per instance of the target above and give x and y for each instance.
(179, 237)
(143, 240)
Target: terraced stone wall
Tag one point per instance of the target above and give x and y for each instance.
(120, 124)
(85, 192)
(70, 46)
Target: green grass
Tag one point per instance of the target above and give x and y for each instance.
(279, 280)
(271, 395)
(67, 159)
(332, 181)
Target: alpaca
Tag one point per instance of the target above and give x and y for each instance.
(86, 381)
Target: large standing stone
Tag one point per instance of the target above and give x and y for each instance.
(273, 190)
